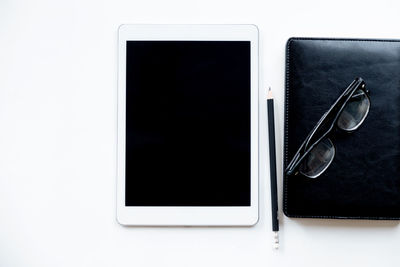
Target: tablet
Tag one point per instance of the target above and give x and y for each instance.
(188, 125)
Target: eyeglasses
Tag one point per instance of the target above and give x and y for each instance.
(347, 114)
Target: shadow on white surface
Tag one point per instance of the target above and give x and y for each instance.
(345, 223)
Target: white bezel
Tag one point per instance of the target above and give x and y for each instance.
(187, 216)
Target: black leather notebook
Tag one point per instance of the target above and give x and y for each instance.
(363, 180)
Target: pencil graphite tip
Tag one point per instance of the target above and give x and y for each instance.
(269, 94)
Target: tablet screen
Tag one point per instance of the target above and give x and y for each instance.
(188, 123)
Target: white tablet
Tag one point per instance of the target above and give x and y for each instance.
(188, 125)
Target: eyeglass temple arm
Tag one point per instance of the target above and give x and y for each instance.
(349, 90)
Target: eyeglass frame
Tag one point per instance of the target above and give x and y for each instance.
(356, 84)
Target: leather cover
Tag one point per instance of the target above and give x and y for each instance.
(363, 181)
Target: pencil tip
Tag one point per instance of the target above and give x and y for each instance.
(269, 94)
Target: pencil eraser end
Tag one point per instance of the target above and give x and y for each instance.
(276, 240)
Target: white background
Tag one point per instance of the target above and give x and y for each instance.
(58, 95)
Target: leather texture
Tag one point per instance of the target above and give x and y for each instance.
(363, 181)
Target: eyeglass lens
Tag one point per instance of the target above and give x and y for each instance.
(354, 112)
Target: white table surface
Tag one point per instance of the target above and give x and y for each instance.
(58, 95)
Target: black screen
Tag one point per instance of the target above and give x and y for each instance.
(188, 123)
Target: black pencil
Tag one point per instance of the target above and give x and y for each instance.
(272, 167)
